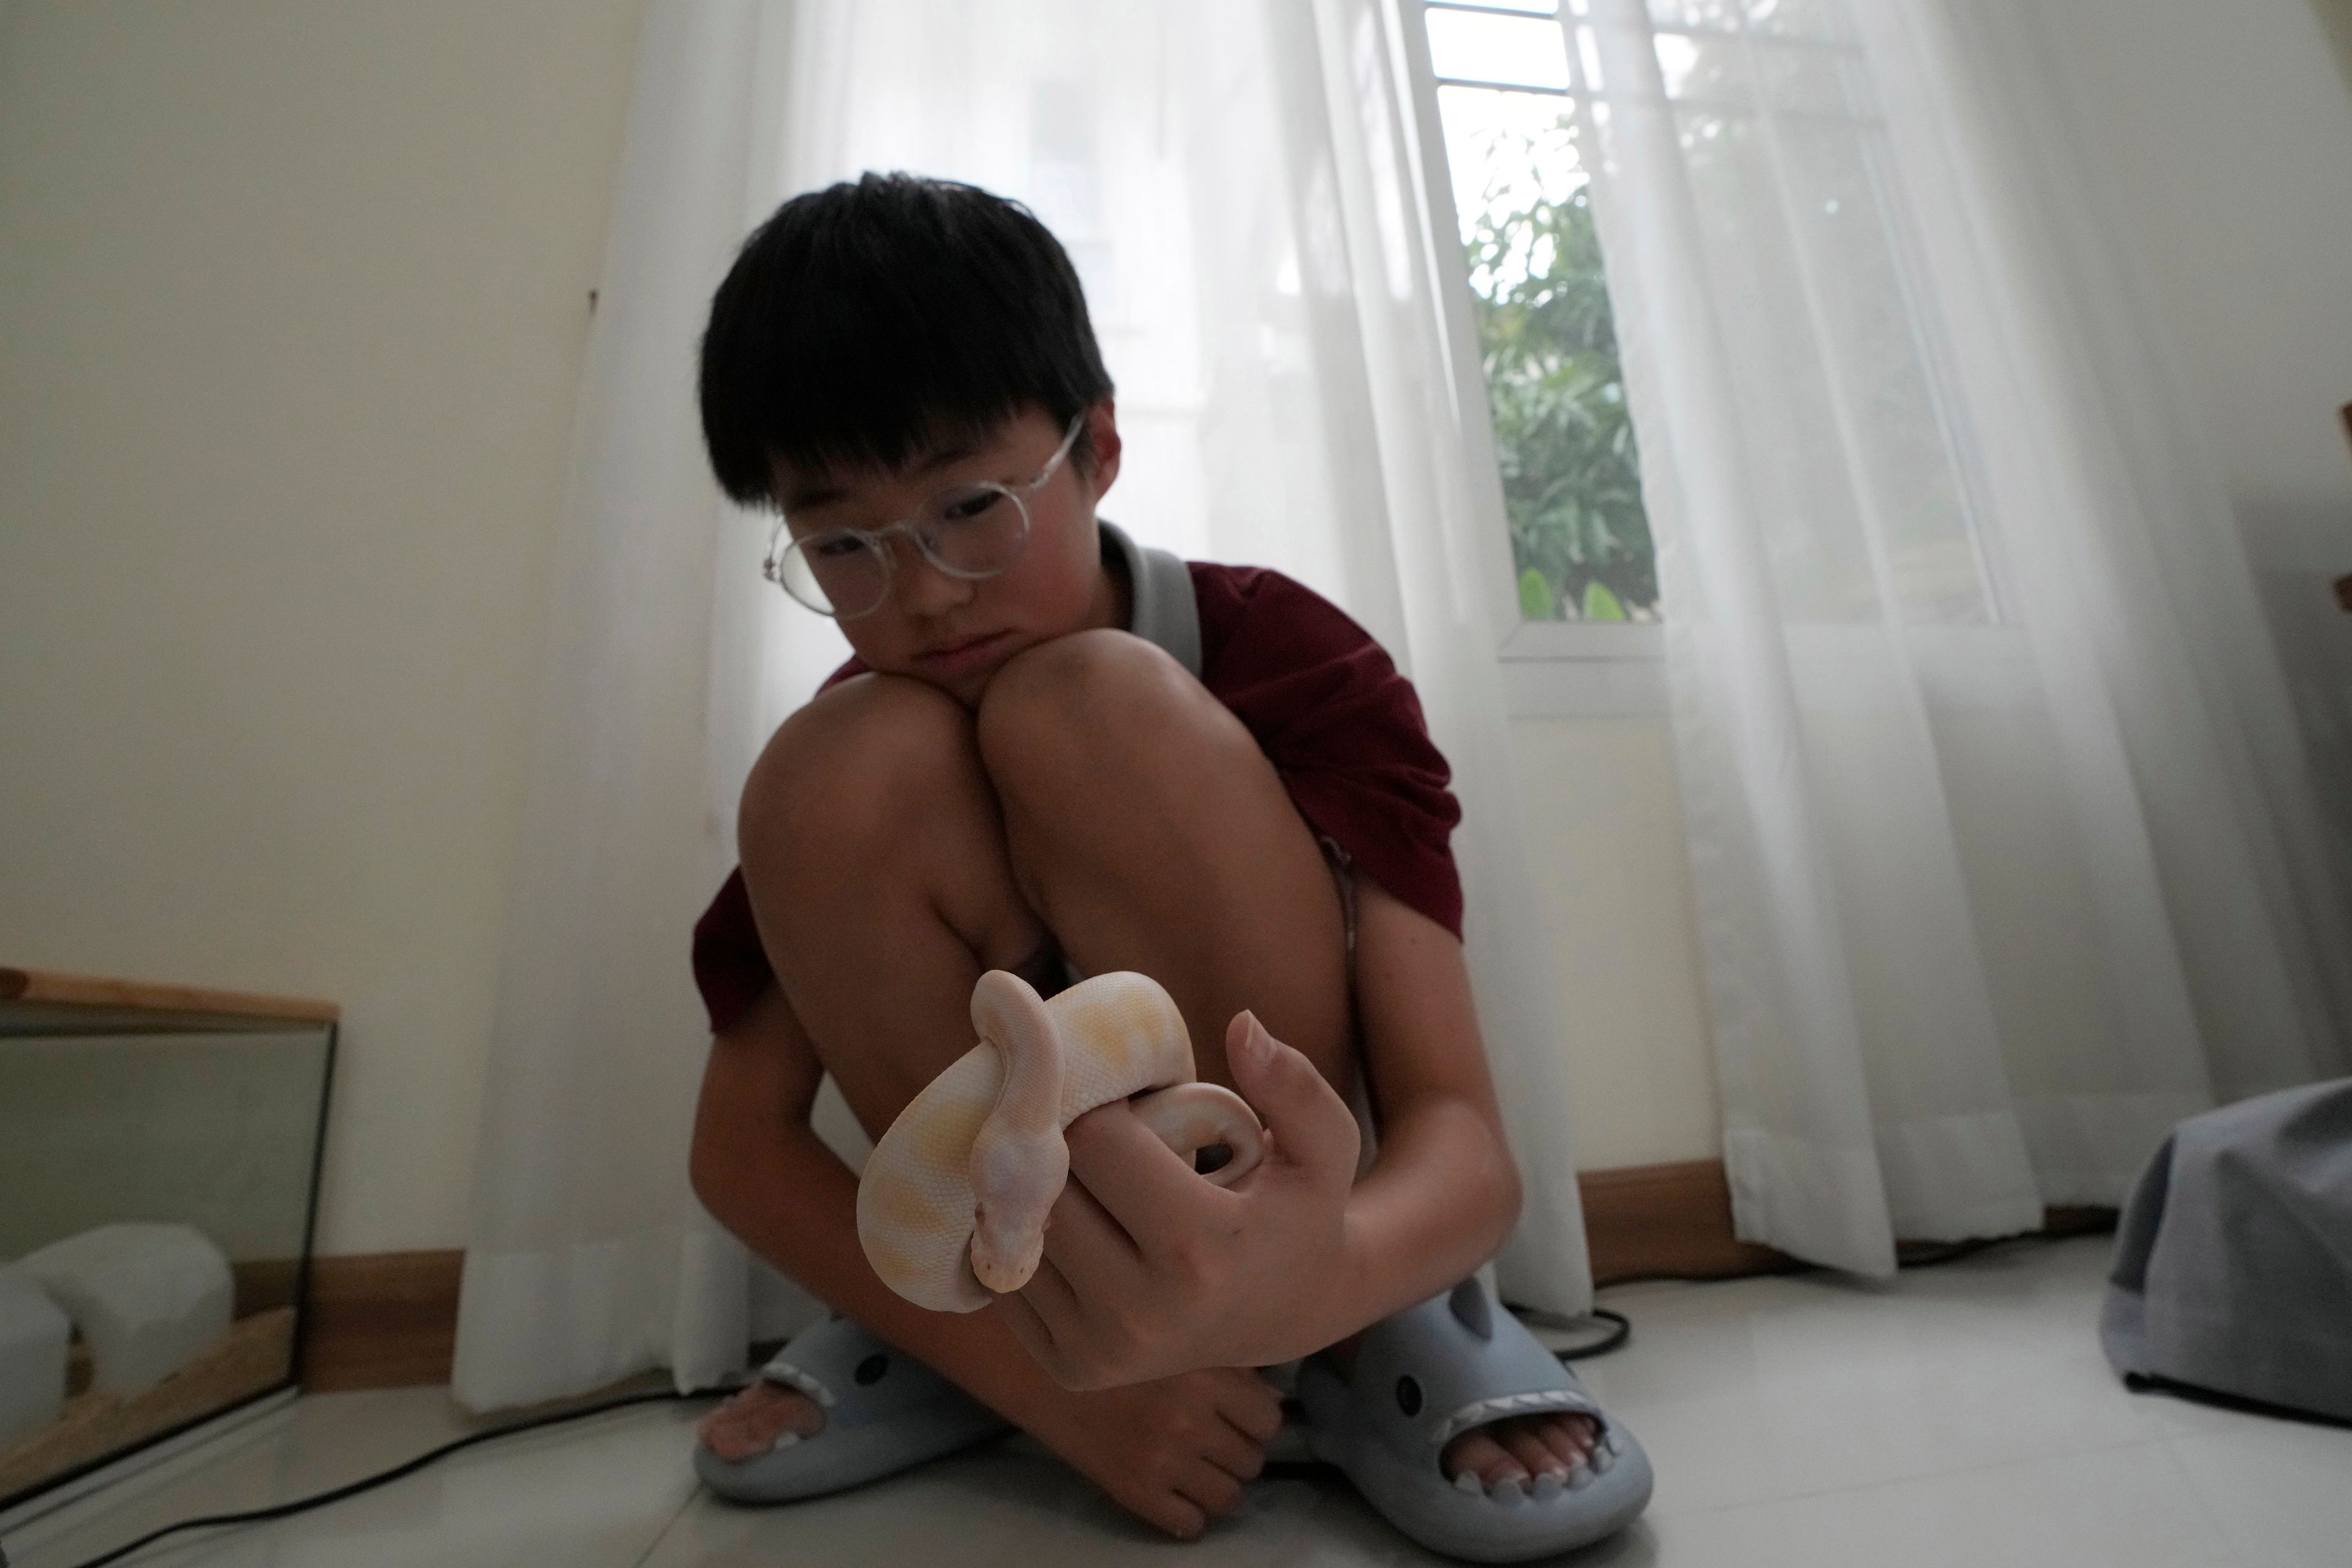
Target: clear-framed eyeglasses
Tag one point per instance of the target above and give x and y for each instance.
(970, 532)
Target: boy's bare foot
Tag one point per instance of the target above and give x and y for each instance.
(757, 1419)
(1517, 1449)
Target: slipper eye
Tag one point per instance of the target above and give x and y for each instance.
(871, 1369)
(1408, 1396)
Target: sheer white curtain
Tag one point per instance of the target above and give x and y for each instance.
(2004, 850)
(1236, 181)
(589, 1258)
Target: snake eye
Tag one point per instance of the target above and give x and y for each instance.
(1408, 1396)
(871, 1369)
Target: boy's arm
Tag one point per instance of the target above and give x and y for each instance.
(763, 1172)
(1443, 1192)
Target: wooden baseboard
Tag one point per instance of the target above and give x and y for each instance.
(1667, 1222)
(1673, 1222)
(390, 1319)
(384, 1320)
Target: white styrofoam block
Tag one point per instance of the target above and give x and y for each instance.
(145, 1296)
(35, 1336)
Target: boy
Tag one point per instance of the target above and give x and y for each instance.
(1023, 769)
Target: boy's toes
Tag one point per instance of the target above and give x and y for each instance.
(1525, 1440)
(1476, 1462)
(1570, 1437)
(758, 1419)
(1527, 1456)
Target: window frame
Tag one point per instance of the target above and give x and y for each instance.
(1551, 669)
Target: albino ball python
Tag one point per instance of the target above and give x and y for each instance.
(951, 1208)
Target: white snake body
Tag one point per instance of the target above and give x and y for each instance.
(956, 1192)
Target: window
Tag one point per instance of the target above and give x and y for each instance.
(1860, 489)
(1564, 441)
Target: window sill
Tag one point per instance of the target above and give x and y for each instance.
(1566, 669)
(1583, 670)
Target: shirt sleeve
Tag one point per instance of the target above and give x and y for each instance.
(1343, 728)
(730, 967)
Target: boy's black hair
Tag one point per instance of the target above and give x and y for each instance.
(862, 321)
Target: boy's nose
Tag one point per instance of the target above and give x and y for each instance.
(921, 588)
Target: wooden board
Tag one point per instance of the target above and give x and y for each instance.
(39, 988)
(252, 1358)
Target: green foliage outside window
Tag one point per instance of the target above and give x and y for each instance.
(1563, 440)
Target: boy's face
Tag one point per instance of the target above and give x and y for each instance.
(946, 631)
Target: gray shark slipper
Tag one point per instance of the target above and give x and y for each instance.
(1430, 1374)
(884, 1413)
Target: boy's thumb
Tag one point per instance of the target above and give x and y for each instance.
(1311, 1125)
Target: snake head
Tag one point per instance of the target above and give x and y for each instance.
(1016, 1182)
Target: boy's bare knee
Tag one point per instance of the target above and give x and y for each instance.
(1074, 707)
(844, 769)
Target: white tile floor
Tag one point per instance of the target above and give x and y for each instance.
(1958, 1415)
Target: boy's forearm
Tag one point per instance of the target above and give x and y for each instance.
(794, 1203)
(1440, 1199)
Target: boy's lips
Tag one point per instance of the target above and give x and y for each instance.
(956, 658)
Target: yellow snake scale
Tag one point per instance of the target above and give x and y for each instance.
(1039, 1066)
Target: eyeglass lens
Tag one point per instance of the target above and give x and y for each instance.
(970, 532)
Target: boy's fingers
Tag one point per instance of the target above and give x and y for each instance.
(1049, 1295)
(1086, 1241)
(1310, 1125)
(1027, 1325)
(1138, 1182)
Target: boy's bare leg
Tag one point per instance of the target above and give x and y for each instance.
(884, 891)
(1150, 833)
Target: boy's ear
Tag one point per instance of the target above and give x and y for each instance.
(1102, 437)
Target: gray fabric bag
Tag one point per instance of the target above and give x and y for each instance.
(2233, 1262)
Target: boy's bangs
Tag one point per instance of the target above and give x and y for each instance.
(856, 386)
(864, 325)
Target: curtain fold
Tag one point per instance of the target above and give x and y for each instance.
(1235, 180)
(589, 1258)
(2003, 843)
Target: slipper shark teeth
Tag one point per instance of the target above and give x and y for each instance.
(1467, 1481)
(1579, 1477)
(1603, 1461)
(793, 1377)
(1613, 1443)
(1548, 1487)
(1504, 1407)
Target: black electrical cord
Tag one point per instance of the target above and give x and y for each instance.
(301, 1505)
(1614, 1340)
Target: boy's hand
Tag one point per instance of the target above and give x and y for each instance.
(1175, 1452)
(1150, 1270)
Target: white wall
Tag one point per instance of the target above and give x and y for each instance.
(1606, 818)
(292, 302)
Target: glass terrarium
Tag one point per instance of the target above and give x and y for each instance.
(158, 1164)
